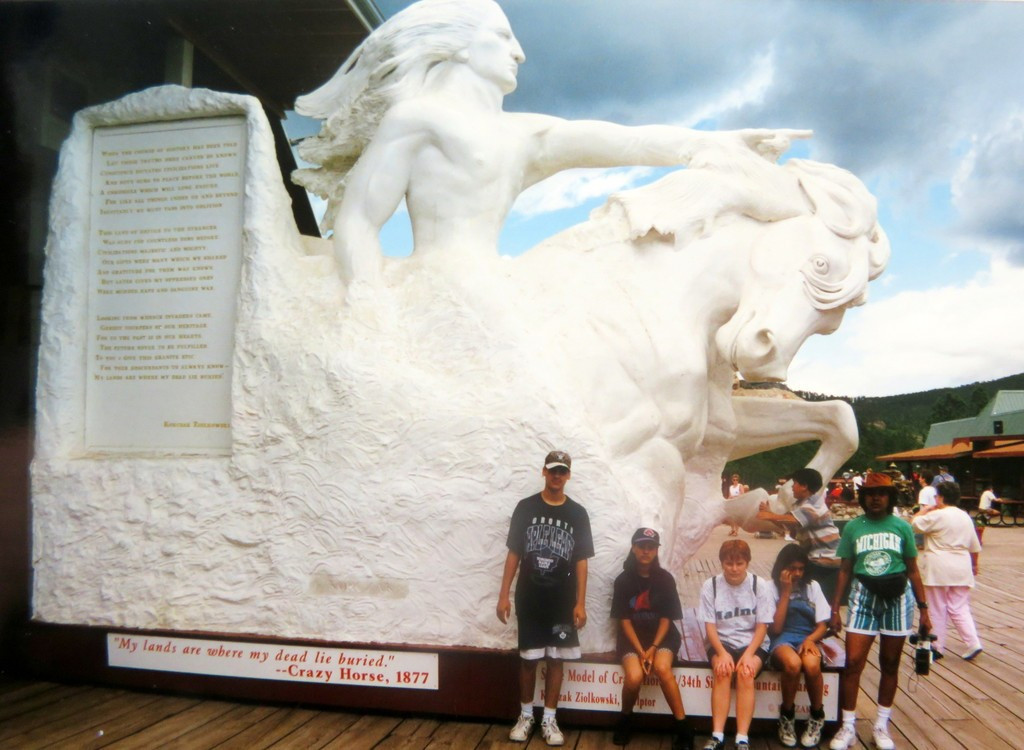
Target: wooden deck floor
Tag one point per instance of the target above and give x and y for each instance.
(973, 705)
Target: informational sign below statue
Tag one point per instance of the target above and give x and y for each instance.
(410, 670)
(164, 256)
(594, 686)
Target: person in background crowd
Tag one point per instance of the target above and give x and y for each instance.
(986, 501)
(949, 564)
(735, 489)
(925, 499)
(894, 472)
(926, 496)
(942, 476)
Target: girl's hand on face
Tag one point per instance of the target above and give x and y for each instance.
(786, 578)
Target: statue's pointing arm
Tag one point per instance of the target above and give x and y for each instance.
(565, 144)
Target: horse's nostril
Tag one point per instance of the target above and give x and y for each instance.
(764, 342)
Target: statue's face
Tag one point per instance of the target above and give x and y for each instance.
(494, 52)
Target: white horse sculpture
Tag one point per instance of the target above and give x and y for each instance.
(653, 313)
(622, 335)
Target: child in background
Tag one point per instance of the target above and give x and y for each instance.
(801, 620)
(736, 609)
(645, 602)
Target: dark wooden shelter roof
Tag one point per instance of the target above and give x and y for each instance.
(277, 49)
(272, 49)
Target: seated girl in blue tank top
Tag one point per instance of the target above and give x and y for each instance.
(801, 621)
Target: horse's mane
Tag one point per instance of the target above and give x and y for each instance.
(692, 200)
(689, 204)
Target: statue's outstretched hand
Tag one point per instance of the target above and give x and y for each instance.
(771, 144)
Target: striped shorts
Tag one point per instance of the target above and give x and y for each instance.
(870, 614)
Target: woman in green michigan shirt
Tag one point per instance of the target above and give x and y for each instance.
(879, 563)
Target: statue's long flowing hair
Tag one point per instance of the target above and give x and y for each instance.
(392, 64)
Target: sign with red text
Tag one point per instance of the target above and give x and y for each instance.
(266, 661)
(598, 687)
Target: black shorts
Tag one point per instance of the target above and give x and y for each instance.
(671, 643)
(737, 652)
(545, 616)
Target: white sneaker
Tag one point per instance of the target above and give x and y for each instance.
(551, 733)
(812, 735)
(521, 731)
(882, 739)
(845, 737)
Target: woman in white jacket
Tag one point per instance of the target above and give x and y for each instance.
(949, 564)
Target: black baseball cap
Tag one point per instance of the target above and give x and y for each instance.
(645, 534)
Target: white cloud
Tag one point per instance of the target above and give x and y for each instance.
(919, 340)
(575, 187)
(988, 191)
(751, 91)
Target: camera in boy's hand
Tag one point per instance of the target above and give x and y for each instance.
(924, 653)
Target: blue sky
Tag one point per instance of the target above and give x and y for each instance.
(923, 100)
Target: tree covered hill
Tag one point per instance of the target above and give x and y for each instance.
(887, 424)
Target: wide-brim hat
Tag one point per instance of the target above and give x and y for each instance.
(875, 481)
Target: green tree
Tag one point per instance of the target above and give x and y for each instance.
(979, 399)
(950, 406)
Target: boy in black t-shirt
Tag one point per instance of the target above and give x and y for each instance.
(549, 543)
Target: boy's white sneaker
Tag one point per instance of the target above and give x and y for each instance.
(845, 737)
(551, 733)
(521, 731)
(882, 739)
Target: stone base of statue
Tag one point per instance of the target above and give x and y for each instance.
(234, 441)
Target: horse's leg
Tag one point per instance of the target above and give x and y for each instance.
(764, 423)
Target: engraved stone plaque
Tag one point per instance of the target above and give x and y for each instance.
(165, 245)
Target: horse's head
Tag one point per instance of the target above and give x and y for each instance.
(802, 273)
